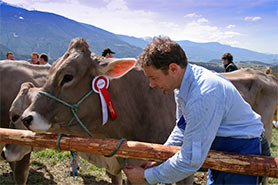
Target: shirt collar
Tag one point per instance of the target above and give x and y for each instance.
(186, 82)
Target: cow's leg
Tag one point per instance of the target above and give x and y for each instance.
(21, 169)
(1, 149)
(265, 152)
(116, 179)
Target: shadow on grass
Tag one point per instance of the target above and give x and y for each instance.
(88, 179)
(37, 177)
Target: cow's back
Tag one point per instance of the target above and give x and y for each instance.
(259, 90)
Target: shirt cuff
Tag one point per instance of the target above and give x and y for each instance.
(148, 173)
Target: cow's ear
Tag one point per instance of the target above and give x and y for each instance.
(25, 87)
(117, 67)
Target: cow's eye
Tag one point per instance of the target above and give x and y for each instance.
(67, 78)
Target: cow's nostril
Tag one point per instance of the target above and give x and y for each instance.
(27, 121)
(3, 155)
(15, 118)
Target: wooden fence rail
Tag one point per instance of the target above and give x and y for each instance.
(222, 161)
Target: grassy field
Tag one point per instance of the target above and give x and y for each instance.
(51, 167)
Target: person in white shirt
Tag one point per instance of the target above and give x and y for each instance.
(44, 59)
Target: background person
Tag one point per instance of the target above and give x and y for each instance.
(35, 58)
(44, 59)
(268, 71)
(107, 53)
(211, 114)
(227, 60)
(10, 55)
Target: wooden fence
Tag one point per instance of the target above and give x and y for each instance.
(222, 161)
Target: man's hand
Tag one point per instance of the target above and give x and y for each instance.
(148, 164)
(135, 174)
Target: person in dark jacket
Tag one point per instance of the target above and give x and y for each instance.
(227, 60)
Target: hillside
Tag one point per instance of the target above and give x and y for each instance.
(26, 31)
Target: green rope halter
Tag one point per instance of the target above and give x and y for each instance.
(74, 109)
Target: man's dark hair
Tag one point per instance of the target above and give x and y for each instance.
(106, 51)
(160, 53)
(9, 53)
(227, 56)
(44, 56)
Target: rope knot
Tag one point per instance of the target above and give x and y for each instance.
(74, 107)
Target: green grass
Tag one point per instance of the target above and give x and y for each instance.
(51, 156)
(274, 151)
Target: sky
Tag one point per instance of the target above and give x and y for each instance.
(250, 24)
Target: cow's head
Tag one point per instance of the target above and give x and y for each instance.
(70, 79)
(23, 99)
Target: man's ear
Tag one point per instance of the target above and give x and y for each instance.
(117, 67)
(173, 68)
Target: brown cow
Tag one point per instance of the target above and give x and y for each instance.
(143, 113)
(18, 155)
(15, 152)
(12, 75)
(135, 103)
(260, 91)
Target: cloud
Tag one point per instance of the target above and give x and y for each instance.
(192, 15)
(116, 5)
(231, 26)
(202, 20)
(252, 18)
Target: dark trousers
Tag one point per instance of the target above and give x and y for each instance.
(243, 146)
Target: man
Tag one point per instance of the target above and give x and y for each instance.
(227, 60)
(268, 71)
(10, 55)
(35, 58)
(211, 114)
(107, 53)
(44, 59)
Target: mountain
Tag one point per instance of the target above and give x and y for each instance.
(26, 31)
(204, 52)
(214, 50)
(4, 50)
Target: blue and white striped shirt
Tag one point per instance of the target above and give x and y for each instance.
(212, 107)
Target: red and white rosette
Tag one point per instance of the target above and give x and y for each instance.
(100, 85)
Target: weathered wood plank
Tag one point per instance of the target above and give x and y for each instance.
(223, 161)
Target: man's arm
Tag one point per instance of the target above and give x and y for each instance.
(203, 120)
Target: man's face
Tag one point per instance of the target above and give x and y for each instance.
(108, 55)
(34, 59)
(10, 57)
(42, 61)
(157, 77)
(224, 61)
